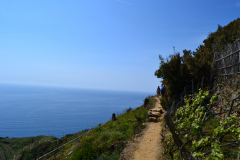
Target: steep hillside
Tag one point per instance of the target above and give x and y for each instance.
(12, 148)
(106, 141)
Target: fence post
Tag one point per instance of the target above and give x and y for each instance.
(173, 109)
(176, 138)
(202, 82)
(229, 112)
(202, 125)
(185, 92)
(192, 87)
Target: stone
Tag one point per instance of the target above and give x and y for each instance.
(155, 110)
(152, 119)
(153, 114)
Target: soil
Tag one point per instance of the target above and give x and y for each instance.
(146, 145)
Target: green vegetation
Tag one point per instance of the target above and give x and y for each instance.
(103, 142)
(178, 71)
(208, 124)
(215, 136)
(14, 146)
(108, 141)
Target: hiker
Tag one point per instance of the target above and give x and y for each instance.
(163, 90)
(158, 91)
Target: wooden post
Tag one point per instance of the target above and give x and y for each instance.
(192, 87)
(202, 82)
(176, 138)
(185, 92)
(229, 112)
(114, 117)
(197, 86)
(202, 125)
(173, 109)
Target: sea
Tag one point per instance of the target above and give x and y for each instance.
(29, 111)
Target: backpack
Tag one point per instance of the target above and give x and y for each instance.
(163, 90)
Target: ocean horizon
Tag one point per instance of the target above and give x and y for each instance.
(29, 111)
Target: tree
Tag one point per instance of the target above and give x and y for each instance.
(178, 71)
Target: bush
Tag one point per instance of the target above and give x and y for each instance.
(129, 109)
(108, 141)
(86, 152)
(146, 102)
(163, 103)
(28, 156)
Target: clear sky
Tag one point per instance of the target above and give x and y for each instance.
(102, 44)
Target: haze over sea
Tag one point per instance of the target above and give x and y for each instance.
(27, 111)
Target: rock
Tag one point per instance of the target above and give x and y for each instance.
(154, 110)
(153, 114)
(161, 112)
(152, 119)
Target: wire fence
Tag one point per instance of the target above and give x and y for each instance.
(227, 62)
(227, 104)
(64, 144)
(189, 91)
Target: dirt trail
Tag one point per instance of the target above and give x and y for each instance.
(147, 145)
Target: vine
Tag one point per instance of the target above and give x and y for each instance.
(207, 123)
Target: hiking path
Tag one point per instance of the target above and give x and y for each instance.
(146, 145)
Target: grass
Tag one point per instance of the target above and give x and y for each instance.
(108, 141)
(45, 147)
(103, 142)
(13, 146)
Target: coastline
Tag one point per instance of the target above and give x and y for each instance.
(35, 143)
(33, 111)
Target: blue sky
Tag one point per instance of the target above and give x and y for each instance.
(101, 44)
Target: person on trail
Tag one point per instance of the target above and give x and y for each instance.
(163, 90)
(158, 91)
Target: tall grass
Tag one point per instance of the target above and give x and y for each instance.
(108, 141)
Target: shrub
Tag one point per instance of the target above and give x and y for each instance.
(163, 103)
(129, 109)
(28, 156)
(146, 102)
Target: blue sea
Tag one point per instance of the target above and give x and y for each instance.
(27, 111)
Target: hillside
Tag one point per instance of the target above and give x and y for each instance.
(203, 106)
(12, 148)
(106, 141)
(180, 70)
